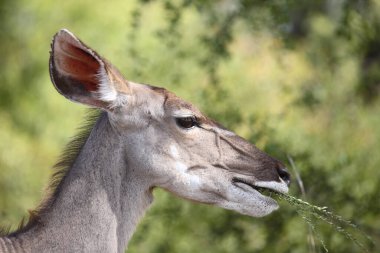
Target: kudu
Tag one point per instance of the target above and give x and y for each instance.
(144, 137)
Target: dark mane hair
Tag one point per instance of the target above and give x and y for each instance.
(65, 162)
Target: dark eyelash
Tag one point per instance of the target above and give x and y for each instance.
(187, 122)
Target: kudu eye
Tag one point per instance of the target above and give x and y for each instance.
(186, 122)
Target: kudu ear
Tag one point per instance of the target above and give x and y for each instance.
(81, 75)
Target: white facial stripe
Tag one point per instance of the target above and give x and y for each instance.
(174, 151)
(192, 180)
(181, 167)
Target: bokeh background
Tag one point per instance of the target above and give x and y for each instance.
(300, 79)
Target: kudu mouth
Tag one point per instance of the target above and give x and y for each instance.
(261, 189)
(256, 175)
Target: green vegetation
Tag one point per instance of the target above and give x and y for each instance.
(308, 211)
(298, 79)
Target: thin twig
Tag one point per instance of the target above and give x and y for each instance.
(311, 230)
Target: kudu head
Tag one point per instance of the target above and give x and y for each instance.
(168, 142)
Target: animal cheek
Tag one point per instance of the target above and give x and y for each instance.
(180, 167)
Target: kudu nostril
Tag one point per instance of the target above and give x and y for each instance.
(284, 174)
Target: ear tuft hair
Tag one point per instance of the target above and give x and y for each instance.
(81, 75)
(107, 91)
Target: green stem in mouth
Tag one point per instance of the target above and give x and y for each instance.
(310, 212)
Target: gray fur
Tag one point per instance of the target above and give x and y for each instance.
(104, 183)
(98, 206)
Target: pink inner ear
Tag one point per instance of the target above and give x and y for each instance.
(73, 59)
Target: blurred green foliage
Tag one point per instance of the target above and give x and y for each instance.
(297, 78)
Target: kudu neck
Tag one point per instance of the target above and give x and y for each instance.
(99, 202)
